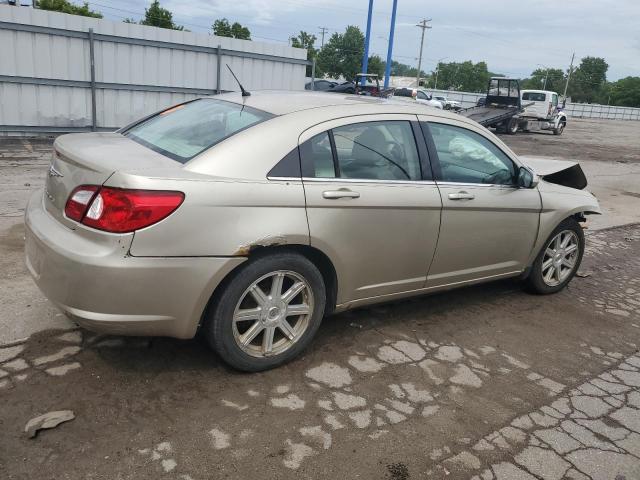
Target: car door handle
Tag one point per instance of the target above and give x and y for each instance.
(335, 194)
(461, 196)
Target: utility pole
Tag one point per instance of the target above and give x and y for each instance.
(323, 30)
(423, 25)
(566, 85)
(365, 56)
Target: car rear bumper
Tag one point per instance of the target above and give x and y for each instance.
(93, 279)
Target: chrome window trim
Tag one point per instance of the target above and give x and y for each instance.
(284, 179)
(367, 180)
(468, 184)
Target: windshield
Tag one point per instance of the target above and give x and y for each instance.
(184, 131)
(534, 96)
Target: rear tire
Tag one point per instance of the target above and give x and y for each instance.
(238, 322)
(512, 126)
(558, 261)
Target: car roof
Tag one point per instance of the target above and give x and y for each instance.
(287, 102)
(536, 91)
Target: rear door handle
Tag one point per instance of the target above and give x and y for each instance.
(335, 194)
(461, 196)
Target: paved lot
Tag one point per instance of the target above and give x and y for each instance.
(487, 382)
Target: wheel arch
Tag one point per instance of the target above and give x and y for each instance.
(314, 255)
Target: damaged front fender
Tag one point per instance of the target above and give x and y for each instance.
(561, 172)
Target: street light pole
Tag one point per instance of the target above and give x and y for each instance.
(387, 73)
(438, 70)
(423, 25)
(365, 57)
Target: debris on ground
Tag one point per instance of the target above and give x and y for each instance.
(46, 421)
(582, 274)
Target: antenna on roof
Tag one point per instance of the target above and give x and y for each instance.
(245, 93)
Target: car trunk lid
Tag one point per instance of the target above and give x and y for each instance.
(90, 159)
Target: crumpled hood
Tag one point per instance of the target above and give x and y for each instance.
(562, 172)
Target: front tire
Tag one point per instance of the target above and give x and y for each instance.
(559, 259)
(267, 312)
(560, 129)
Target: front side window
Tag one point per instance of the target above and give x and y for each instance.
(367, 151)
(184, 131)
(422, 96)
(468, 157)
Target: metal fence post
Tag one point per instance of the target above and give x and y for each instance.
(92, 66)
(219, 64)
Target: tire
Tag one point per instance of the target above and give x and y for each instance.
(512, 126)
(560, 129)
(236, 296)
(536, 281)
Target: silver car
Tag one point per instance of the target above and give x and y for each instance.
(251, 218)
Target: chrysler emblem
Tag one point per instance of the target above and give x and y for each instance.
(53, 172)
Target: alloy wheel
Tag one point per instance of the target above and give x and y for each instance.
(272, 314)
(560, 258)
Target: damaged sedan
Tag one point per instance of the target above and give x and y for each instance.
(250, 218)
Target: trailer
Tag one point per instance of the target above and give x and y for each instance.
(501, 108)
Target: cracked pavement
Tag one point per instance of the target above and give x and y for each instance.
(487, 382)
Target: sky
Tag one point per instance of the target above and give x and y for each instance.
(514, 37)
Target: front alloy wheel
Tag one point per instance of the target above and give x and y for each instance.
(560, 257)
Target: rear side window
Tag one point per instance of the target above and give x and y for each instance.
(534, 96)
(370, 150)
(184, 131)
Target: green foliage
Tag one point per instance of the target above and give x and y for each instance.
(402, 70)
(462, 76)
(305, 40)
(555, 79)
(625, 92)
(342, 54)
(588, 82)
(376, 65)
(65, 6)
(156, 16)
(223, 28)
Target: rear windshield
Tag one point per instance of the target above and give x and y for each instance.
(534, 97)
(184, 131)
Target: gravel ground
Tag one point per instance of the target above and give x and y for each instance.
(485, 382)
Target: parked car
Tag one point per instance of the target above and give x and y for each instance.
(250, 218)
(321, 85)
(419, 96)
(448, 104)
(482, 101)
(344, 87)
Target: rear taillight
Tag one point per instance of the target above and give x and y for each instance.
(79, 201)
(120, 210)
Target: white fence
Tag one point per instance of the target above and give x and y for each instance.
(61, 73)
(575, 110)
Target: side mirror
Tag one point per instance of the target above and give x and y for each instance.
(526, 178)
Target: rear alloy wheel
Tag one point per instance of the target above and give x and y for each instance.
(558, 262)
(267, 313)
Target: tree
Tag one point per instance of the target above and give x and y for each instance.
(464, 76)
(222, 28)
(65, 6)
(342, 54)
(555, 79)
(588, 82)
(305, 40)
(625, 92)
(376, 65)
(156, 16)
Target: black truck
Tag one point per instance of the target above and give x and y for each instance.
(501, 107)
